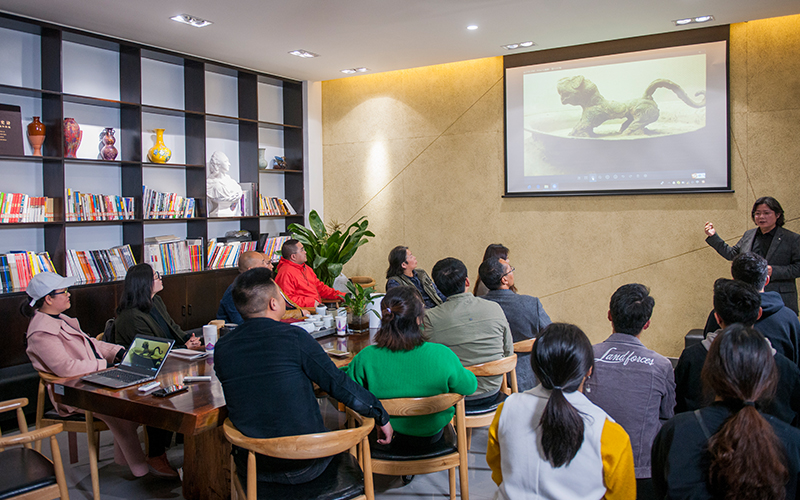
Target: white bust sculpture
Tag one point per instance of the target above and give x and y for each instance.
(222, 191)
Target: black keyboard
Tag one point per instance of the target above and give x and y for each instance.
(123, 376)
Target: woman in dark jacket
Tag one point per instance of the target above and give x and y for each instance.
(142, 312)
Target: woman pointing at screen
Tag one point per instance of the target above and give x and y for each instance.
(770, 240)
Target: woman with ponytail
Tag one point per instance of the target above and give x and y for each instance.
(551, 442)
(730, 450)
(401, 364)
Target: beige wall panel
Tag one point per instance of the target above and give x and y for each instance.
(572, 252)
(773, 64)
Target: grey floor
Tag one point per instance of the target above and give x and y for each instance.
(116, 482)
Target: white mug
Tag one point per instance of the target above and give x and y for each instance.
(322, 310)
(328, 321)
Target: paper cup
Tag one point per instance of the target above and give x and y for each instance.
(210, 336)
(341, 325)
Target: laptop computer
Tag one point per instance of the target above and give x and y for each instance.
(142, 362)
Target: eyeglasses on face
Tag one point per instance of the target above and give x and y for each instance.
(509, 272)
(64, 291)
(156, 275)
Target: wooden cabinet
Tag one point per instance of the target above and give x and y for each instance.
(192, 299)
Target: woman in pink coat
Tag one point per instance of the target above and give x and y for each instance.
(57, 345)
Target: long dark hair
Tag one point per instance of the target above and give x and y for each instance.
(28, 310)
(747, 460)
(493, 250)
(401, 309)
(561, 358)
(138, 290)
(397, 258)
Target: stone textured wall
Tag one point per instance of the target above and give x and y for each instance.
(420, 153)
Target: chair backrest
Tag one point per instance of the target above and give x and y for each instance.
(305, 446)
(109, 332)
(524, 345)
(16, 404)
(496, 367)
(412, 407)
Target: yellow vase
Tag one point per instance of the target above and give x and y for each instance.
(159, 153)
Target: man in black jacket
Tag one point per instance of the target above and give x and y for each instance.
(268, 370)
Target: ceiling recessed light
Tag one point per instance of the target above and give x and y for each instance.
(349, 71)
(362, 70)
(693, 20)
(191, 20)
(472, 27)
(355, 70)
(303, 53)
(512, 46)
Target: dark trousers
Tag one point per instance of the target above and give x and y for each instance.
(645, 489)
(157, 441)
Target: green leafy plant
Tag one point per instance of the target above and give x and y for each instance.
(327, 251)
(358, 298)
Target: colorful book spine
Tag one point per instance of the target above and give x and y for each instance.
(17, 269)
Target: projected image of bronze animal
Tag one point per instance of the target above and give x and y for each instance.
(638, 113)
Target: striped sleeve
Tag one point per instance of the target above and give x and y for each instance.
(493, 449)
(618, 471)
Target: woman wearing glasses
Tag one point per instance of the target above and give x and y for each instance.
(142, 312)
(57, 345)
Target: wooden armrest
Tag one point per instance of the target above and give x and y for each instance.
(13, 404)
(29, 437)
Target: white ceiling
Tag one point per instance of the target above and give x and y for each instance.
(381, 35)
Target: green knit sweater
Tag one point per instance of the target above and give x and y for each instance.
(427, 370)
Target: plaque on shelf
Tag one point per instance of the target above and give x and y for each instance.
(11, 130)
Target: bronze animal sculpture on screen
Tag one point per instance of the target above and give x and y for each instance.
(638, 113)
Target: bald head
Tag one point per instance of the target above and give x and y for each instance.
(251, 260)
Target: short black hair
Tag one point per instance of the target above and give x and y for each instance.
(631, 307)
(750, 268)
(450, 275)
(491, 272)
(736, 302)
(252, 290)
(773, 205)
(289, 248)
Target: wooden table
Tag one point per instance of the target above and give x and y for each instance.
(198, 414)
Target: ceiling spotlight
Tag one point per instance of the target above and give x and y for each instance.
(472, 27)
(191, 20)
(303, 53)
(693, 20)
(362, 70)
(349, 71)
(355, 70)
(512, 46)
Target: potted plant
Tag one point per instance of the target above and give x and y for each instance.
(328, 251)
(357, 301)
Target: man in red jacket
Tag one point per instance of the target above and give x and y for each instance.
(298, 281)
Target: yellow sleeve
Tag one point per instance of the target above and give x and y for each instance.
(618, 471)
(493, 448)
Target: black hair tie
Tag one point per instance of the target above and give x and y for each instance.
(749, 403)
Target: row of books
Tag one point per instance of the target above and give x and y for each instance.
(17, 269)
(175, 256)
(226, 254)
(95, 266)
(272, 246)
(158, 205)
(86, 206)
(19, 207)
(275, 206)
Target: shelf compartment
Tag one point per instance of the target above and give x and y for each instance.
(97, 101)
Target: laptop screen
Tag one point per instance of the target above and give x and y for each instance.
(147, 353)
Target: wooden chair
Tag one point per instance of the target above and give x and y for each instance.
(71, 425)
(450, 452)
(524, 345)
(343, 472)
(26, 474)
(482, 416)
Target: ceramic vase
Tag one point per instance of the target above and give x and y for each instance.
(159, 153)
(107, 151)
(72, 137)
(263, 162)
(36, 135)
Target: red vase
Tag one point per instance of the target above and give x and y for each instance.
(72, 137)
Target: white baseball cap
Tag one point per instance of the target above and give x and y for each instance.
(44, 283)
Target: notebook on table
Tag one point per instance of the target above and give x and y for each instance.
(142, 362)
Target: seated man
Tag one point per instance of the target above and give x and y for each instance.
(268, 370)
(778, 322)
(248, 260)
(735, 302)
(473, 328)
(298, 281)
(630, 382)
(524, 313)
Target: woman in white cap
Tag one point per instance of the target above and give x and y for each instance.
(56, 344)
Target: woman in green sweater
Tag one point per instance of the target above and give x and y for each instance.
(402, 365)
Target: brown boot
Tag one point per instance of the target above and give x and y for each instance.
(160, 467)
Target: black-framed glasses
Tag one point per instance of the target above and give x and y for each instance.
(156, 275)
(64, 291)
(509, 272)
